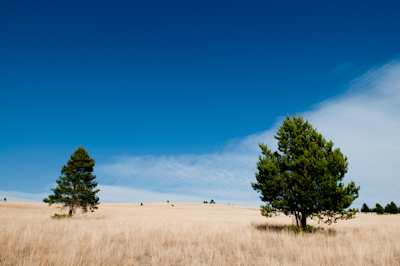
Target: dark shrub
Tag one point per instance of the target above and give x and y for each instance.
(365, 208)
(379, 209)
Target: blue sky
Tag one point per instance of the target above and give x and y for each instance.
(172, 97)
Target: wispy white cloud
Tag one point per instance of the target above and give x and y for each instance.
(363, 122)
(218, 175)
(224, 175)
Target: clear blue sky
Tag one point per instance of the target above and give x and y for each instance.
(173, 81)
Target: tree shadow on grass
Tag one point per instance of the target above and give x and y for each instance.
(292, 229)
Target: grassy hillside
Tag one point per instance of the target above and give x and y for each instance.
(188, 234)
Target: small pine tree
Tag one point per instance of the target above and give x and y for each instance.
(5, 199)
(387, 208)
(365, 208)
(392, 208)
(379, 209)
(76, 188)
(212, 201)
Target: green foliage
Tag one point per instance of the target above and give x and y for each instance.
(212, 201)
(365, 208)
(308, 229)
(294, 228)
(141, 204)
(5, 200)
(391, 208)
(76, 186)
(61, 216)
(167, 201)
(304, 177)
(298, 229)
(205, 202)
(379, 209)
(387, 208)
(172, 205)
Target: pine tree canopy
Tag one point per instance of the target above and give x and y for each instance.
(365, 208)
(304, 177)
(379, 209)
(391, 208)
(76, 186)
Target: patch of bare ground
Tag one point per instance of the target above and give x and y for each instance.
(188, 234)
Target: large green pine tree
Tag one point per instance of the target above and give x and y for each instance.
(76, 188)
(303, 178)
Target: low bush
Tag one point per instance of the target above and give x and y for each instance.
(392, 208)
(379, 209)
(365, 208)
(61, 216)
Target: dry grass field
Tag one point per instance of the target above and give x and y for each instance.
(188, 234)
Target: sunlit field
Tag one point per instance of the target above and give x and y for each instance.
(188, 234)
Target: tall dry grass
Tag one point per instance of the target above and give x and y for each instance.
(187, 234)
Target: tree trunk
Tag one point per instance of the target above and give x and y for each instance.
(297, 215)
(303, 220)
(71, 207)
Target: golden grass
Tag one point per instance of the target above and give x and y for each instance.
(187, 234)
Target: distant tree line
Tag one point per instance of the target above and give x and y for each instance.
(390, 208)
